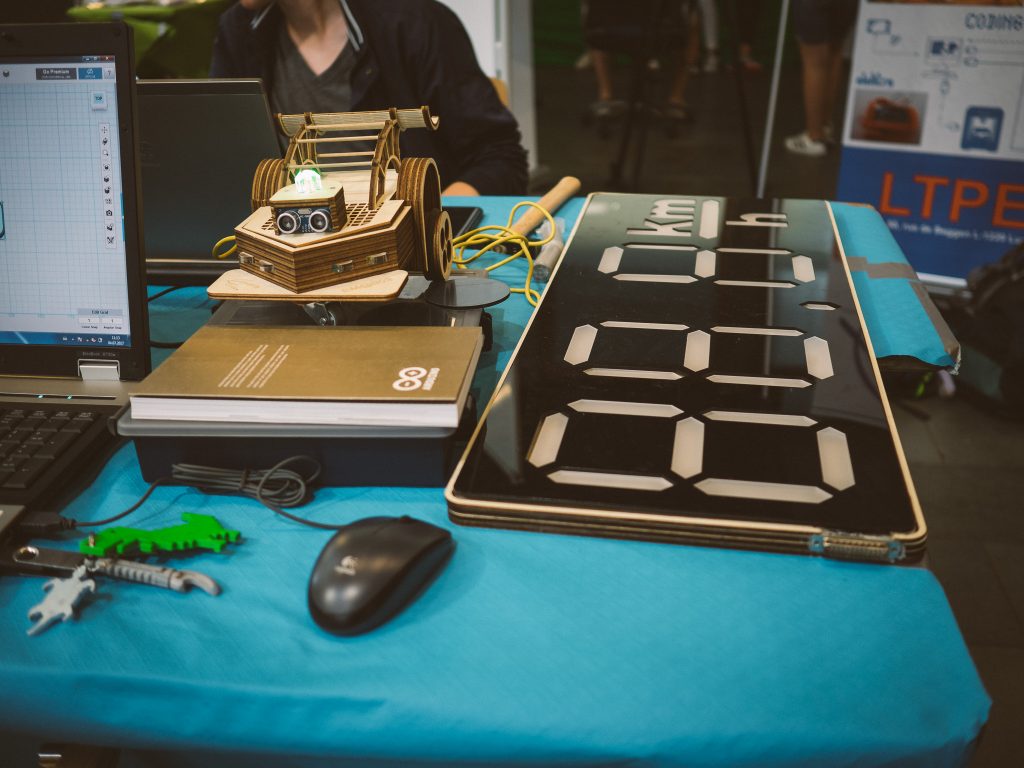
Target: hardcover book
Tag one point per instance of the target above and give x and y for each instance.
(390, 376)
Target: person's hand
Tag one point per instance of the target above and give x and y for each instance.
(254, 5)
(461, 189)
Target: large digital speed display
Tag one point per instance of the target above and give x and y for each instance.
(698, 370)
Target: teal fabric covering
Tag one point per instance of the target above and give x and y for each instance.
(865, 233)
(528, 649)
(894, 306)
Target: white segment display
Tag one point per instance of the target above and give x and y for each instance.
(625, 408)
(549, 437)
(674, 217)
(688, 448)
(753, 489)
(778, 419)
(710, 212)
(610, 480)
(836, 465)
(819, 360)
(628, 373)
(581, 344)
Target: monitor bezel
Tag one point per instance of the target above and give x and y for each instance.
(92, 39)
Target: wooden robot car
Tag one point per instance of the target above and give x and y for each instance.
(343, 203)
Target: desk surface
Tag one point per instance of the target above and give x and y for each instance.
(528, 648)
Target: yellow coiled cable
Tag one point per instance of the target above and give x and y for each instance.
(484, 239)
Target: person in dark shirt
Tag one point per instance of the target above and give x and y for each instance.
(356, 55)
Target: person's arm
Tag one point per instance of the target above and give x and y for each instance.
(238, 49)
(224, 62)
(461, 188)
(480, 135)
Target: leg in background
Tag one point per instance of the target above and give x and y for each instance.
(682, 63)
(746, 31)
(812, 22)
(709, 26)
(601, 61)
(835, 84)
(817, 79)
(606, 105)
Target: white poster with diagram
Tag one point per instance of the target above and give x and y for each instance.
(934, 129)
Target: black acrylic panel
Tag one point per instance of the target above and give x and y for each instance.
(698, 358)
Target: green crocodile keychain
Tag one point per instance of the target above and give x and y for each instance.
(198, 532)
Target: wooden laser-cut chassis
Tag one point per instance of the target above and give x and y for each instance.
(392, 206)
(322, 263)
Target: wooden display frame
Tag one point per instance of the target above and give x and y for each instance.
(900, 533)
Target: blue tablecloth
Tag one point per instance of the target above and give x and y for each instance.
(528, 649)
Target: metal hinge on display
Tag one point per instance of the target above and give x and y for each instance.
(99, 370)
(852, 546)
(320, 313)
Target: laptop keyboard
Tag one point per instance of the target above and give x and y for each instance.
(32, 438)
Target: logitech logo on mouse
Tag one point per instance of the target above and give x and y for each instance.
(347, 566)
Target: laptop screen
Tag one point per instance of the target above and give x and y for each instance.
(72, 286)
(63, 271)
(195, 172)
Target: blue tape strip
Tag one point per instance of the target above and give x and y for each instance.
(897, 320)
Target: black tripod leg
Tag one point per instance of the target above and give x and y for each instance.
(643, 123)
(636, 105)
(741, 95)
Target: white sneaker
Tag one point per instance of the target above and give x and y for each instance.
(711, 61)
(802, 144)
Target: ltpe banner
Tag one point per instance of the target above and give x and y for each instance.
(934, 133)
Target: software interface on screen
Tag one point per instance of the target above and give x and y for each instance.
(62, 248)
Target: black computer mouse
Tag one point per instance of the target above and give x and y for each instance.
(371, 569)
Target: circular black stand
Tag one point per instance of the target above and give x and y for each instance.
(466, 293)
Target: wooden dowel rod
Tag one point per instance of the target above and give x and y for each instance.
(336, 138)
(346, 127)
(362, 164)
(347, 154)
(551, 202)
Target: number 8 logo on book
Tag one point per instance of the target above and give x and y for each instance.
(409, 379)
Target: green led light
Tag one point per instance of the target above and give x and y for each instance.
(307, 181)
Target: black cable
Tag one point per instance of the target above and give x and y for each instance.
(275, 488)
(165, 344)
(164, 292)
(107, 521)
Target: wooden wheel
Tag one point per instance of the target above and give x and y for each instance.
(439, 260)
(419, 184)
(269, 177)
